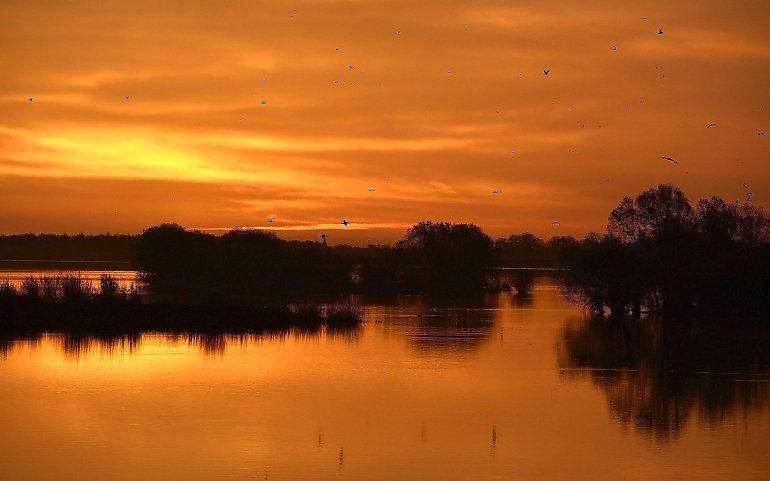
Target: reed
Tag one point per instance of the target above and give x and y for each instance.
(345, 313)
(7, 289)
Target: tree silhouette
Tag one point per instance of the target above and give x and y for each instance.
(452, 256)
(663, 255)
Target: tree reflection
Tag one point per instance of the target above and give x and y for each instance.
(452, 324)
(658, 375)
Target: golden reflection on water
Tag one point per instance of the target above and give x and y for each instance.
(490, 387)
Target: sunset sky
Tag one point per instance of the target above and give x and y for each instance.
(116, 115)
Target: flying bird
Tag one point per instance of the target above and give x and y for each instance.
(556, 222)
(546, 71)
(345, 222)
(759, 134)
(495, 191)
(30, 99)
(660, 31)
(614, 47)
(712, 125)
(271, 219)
(669, 158)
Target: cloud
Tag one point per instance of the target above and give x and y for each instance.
(445, 101)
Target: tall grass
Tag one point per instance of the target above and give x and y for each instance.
(68, 288)
(7, 289)
(345, 313)
(72, 303)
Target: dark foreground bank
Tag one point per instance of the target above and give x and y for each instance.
(71, 304)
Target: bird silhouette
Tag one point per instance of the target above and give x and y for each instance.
(614, 47)
(271, 219)
(660, 31)
(759, 134)
(30, 99)
(345, 222)
(669, 158)
(495, 191)
(556, 222)
(546, 71)
(712, 125)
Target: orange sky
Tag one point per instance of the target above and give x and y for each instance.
(216, 114)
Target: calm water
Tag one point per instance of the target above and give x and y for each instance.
(490, 388)
(16, 276)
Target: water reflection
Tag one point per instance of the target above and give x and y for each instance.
(439, 324)
(658, 375)
(523, 299)
(75, 346)
(80, 345)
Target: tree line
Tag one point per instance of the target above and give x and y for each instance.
(662, 254)
(432, 257)
(63, 247)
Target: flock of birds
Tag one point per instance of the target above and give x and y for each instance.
(546, 72)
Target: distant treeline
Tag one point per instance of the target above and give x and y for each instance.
(518, 250)
(432, 256)
(52, 247)
(662, 254)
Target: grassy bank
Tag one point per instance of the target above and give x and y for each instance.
(69, 303)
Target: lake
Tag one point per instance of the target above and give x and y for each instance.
(125, 278)
(492, 387)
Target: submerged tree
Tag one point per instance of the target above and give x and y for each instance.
(663, 255)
